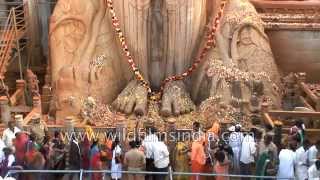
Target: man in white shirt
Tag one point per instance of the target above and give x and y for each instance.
(287, 160)
(148, 146)
(235, 142)
(248, 150)
(314, 171)
(302, 161)
(9, 134)
(161, 157)
(313, 153)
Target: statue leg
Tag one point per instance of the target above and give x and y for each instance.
(186, 20)
(133, 15)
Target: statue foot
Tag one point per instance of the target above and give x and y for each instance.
(132, 99)
(176, 100)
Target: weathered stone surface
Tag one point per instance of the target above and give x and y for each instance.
(164, 37)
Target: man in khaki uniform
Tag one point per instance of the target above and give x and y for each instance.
(38, 128)
(135, 160)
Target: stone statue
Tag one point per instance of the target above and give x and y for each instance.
(164, 37)
(32, 83)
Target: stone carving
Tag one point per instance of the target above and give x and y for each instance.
(32, 83)
(164, 38)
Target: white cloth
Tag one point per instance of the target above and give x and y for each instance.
(301, 164)
(161, 155)
(2, 146)
(11, 160)
(9, 135)
(235, 141)
(148, 144)
(313, 173)
(248, 150)
(116, 167)
(312, 155)
(287, 160)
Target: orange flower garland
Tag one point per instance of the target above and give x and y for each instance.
(211, 42)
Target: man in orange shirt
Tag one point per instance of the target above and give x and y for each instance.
(198, 157)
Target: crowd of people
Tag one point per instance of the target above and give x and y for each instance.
(237, 150)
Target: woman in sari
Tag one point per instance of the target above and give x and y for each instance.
(262, 164)
(95, 161)
(181, 159)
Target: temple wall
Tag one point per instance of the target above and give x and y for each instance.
(297, 51)
(293, 28)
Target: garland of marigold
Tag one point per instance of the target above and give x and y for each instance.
(211, 42)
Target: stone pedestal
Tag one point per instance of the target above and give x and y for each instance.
(46, 93)
(46, 98)
(21, 84)
(5, 109)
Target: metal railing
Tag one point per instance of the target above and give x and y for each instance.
(13, 30)
(170, 174)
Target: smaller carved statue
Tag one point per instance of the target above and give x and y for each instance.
(32, 83)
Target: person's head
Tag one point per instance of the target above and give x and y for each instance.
(94, 143)
(115, 143)
(162, 137)
(299, 123)
(237, 128)
(36, 118)
(11, 125)
(32, 137)
(133, 144)
(151, 130)
(196, 126)
(306, 144)
(317, 163)
(7, 151)
(220, 156)
(56, 134)
(267, 139)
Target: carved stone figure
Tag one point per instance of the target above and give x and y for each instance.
(32, 83)
(164, 37)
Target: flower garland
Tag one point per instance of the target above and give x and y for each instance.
(211, 42)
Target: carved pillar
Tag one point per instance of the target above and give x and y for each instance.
(21, 84)
(46, 95)
(19, 121)
(5, 109)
